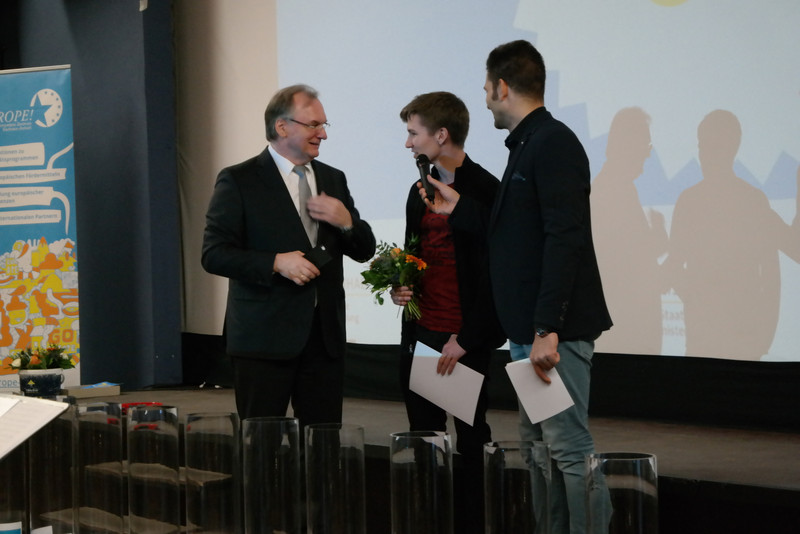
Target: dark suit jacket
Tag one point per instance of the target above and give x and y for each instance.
(251, 218)
(480, 329)
(542, 262)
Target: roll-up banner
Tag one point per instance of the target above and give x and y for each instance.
(38, 242)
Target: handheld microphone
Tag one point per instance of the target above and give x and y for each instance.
(424, 167)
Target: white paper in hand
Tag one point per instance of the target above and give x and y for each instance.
(540, 400)
(456, 393)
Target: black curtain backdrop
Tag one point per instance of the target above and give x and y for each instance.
(9, 34)
(127, 211)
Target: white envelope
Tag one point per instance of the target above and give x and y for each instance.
(456, 393)
(540, 400)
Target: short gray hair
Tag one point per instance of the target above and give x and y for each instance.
(281, 106)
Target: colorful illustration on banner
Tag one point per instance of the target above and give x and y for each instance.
(38, 298)
(38, 242)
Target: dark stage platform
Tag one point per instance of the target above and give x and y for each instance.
(711, 479)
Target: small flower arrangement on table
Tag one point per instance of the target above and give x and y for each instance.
(51, 357)
(396, 267)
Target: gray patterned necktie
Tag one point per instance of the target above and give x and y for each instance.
(305, 193)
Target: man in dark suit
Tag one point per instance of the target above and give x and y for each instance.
(281, 247)
(543, 269)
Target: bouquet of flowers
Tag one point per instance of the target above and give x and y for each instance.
(395, 267)
(50, 357)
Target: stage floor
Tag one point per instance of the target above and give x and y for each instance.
(739, 458)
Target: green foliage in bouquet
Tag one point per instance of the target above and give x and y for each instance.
(51, 357)
(394, 267)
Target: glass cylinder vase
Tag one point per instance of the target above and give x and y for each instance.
(421, 474)
(99, 483)
(517, 487)
(50, 458)
(622, 493)
(13, 484)
(153, 470)
(271, 475)
(335, 479)
(212, 472)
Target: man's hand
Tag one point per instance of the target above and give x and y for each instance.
(401, 295)
(295, 267)
(544, 355)
(451, 353)
(445, 199)
(330, 210)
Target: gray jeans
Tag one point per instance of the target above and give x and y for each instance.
(568, 435)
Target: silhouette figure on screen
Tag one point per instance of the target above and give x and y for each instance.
(628, 240)
(723, 256)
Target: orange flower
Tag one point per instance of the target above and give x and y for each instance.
(35, 360)
(418, 262)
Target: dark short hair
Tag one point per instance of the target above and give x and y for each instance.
(520, 65)
(440, 110)
(281, 106)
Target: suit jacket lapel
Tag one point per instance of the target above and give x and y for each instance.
(278, 198)
(319, 178)
(512, 161)
(321, 181)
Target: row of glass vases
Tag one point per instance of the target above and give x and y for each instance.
(257, 470)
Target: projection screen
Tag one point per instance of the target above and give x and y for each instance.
(689, 111)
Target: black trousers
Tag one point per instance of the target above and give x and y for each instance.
(424, 415)
(312, 381)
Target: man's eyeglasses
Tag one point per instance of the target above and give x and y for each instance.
(323, 126)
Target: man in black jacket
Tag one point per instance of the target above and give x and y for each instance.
(543, 269)
(458, 316)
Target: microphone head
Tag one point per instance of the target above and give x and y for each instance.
(423, 160)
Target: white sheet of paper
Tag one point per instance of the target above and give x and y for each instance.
(539, 399)
(21, 417)
(6, 403)
(456, 393)
(11, 528)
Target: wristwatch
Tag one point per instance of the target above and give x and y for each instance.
(541, 332)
